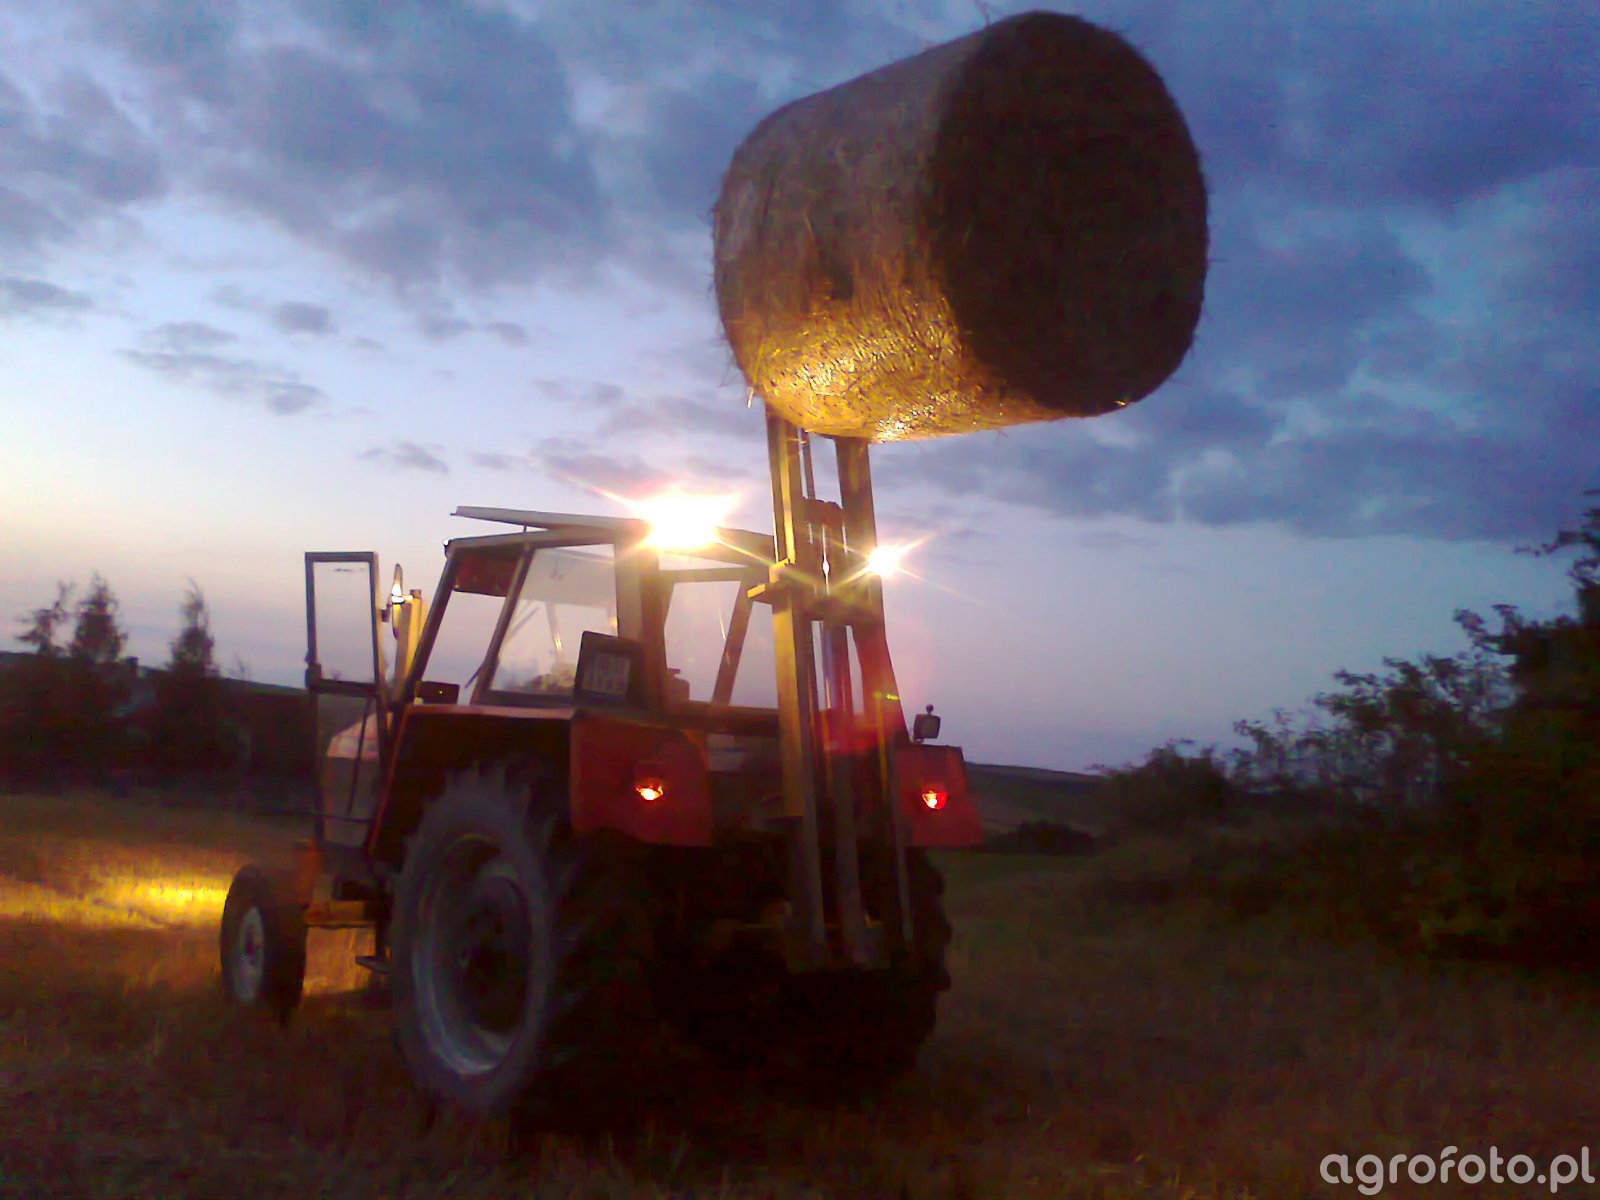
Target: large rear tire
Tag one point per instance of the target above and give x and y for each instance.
(263, 942)
(521, 952)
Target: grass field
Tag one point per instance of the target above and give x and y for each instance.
(1111, 1033)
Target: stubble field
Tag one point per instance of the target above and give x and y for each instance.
(1114, 1030)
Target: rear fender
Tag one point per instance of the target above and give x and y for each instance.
(614, 758)
(434, 740)
(931, 790)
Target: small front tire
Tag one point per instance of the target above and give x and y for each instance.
(263, 943)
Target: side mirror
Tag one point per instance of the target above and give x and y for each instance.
(926, 726)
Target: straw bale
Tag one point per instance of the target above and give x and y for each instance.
(1008, 227)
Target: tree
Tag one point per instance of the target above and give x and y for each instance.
(95, 680)
(35, 722)
(1510, 865)
(97, 638)
(1527, 878)
(1393, 738)
(61, 710)
(1403, 736)
(191, 727)
(194, 648)
(43, 623)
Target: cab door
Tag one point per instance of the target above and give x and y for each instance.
(345, 676)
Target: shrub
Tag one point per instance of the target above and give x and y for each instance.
(1042, 837)
(1170, 788)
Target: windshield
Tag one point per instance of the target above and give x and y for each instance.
(567, 591)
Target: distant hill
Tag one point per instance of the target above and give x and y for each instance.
(1008, 796)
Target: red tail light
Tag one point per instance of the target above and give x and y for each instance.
(639, 780)
(649, 782)
(931, 790)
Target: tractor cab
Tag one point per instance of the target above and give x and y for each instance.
(570, 613)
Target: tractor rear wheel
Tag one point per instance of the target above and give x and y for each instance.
(521, 952)
(263, 942)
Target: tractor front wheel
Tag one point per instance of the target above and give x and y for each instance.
(263, 942)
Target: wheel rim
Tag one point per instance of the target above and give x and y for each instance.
(249, 957)
(472, 964)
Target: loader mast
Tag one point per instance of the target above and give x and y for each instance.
(824, 600)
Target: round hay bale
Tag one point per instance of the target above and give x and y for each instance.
(1009, 227)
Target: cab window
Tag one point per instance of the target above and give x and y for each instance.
(568, 590)
(707, 619)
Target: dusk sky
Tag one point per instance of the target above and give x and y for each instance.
(282, 277)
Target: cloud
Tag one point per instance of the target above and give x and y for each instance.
(1297, 290)
(296, 316)
(580, 394)
(406, 456)
(623, 413)
(285, 316)
(183, 337)
(587, 465)
(693, 132)
(1404, 104)
(185, 351)
(508, 332)
(1371, 467)
(1507, 101)
(442, 329)
(681, 415)
(69, 165)
(423, 143)
(437, 327)
(497, 461)
(1398, 336)
(1112, 540)
(36, 297)
(1399, 326)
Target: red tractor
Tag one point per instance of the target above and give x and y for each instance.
(621, 773)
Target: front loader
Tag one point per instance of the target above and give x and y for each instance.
(622, 773)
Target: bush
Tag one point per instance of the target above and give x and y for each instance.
(1170, 788)
(1480, 780)
(1520, 876)
(1042, 837)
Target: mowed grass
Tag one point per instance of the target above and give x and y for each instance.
(1111, 1033)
